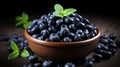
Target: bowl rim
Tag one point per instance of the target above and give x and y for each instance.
(57, 44)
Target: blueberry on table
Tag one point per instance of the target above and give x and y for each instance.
(37, 64)
(106, 55)
(112, 36)
(69, 64)
(5, 37)
(117, 42)
(32, 58)
(48, 63)
(88, 63)
(112, 45)
(112, 50)
(104, 41)
(97, 57)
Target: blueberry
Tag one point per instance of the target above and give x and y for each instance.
(106, 54)
(112, 45)
(80, 25)
(54, 38)
(37, 64)
(59, 22)
(110, 41)
(67, 39)
(34, 29)
(91, 35)
(60, 65)
(69, 64)
(77, 37)
(51, 23)
(44, 17)
(78, 16)
(20, 38)
(32, 58)
(117, 42)
(104, 41)
(64, 31)
(44, 32)
(88, 63)
(112, 50)
(5, 37)
(99, 51)
(10, 49)
(89, 27)
(79, 32)
(35, 35)
(41, 38)
(72, 27)
(51, 29)
(97, 57)
(86, 21)
(29, 65)
(101, 46)
(21, 45)
(34, 22)
(47, 63)
(86, 34)
(63, 26)
(71, 35)
(13, 39)
(112, 36)
(42, 26)
(69, 20)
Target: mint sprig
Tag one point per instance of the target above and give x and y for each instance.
(61, 12)
(23, 20)
(16, 52)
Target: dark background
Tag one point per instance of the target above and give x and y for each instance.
(15, 7)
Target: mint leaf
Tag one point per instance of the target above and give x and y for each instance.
(60, 12)
(14, 46)
(18, 24)
(25, 25)
(24, 16)
(69, 11)
(18, 18)
(58, 7)
(13, 55)
(57, 14)
(24, 53)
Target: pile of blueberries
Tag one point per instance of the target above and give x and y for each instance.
(67, 29)
(105, 49)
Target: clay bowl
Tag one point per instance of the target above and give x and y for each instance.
(62, 51)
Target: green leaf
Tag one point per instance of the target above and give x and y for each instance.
(18, 18)
(58, 7)
(13, 55)
(18, 23)
(57, 14)
(69, 11)
(25, 25)
(24, 16)
(14, 46)
(24, 53)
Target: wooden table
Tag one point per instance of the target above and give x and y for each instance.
(107, 24)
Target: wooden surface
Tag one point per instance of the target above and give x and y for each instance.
(107, 24)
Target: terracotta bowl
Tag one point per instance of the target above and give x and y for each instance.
(62, 51)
